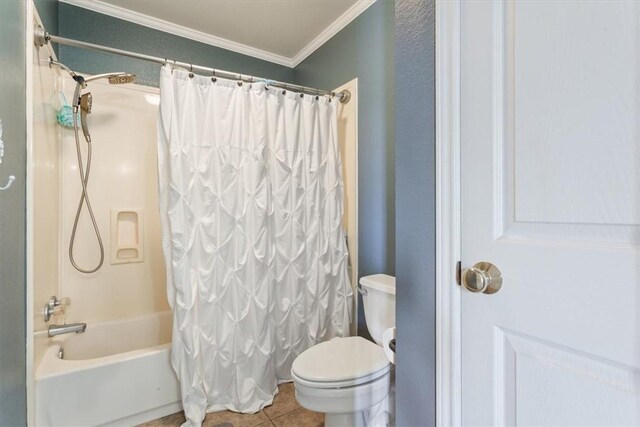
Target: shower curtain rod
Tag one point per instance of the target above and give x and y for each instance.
(42, 37)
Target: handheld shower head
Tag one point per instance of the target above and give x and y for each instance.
(86, 101)
(122, 79)
(113, 78)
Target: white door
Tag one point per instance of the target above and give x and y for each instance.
(550, 143)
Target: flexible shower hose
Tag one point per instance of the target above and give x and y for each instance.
(84, 198)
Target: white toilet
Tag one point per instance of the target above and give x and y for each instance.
(345, 377)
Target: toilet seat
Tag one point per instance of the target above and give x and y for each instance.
(341, 384)
(340, 363)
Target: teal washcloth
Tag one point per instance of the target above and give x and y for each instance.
(64, 114)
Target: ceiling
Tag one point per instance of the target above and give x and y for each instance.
(281, 31)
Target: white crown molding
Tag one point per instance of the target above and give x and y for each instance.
(178, 30)
(168, 27)
(345, 19)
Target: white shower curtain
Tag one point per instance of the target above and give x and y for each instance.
(251, 204)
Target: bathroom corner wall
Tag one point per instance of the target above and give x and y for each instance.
(48, 12)
(364, 49)
(123, 177)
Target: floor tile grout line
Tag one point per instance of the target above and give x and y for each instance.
(265, 423)
(282, 415)
(279, 415)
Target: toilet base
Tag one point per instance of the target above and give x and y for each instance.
(378, 416)
(353, 419)
(349, 406)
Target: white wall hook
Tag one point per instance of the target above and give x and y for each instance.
(11, 177)
(8, 184)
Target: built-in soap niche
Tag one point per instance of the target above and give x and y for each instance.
(126, 236)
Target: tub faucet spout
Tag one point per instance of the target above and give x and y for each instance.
(67, 328)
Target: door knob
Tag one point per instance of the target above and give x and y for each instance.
(482, 277)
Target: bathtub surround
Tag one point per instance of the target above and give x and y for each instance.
(415, 212)
(123, 178)
(364, 49)
(13, 87)
(251, 201)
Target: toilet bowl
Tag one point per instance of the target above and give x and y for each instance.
(346, 377)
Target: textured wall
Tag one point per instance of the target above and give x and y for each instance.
(81, 24)
(415, 211)
(13, 409)
(364, 49)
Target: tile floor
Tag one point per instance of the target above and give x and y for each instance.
(285, 412)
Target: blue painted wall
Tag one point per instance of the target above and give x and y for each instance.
(13, 407)
(364, 49)
(415, 212)
(48, 11)
(82, 24)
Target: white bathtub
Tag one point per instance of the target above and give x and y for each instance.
(117, 373)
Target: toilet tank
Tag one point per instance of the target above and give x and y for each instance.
(379, 297)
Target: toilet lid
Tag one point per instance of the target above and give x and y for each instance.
(340, 359)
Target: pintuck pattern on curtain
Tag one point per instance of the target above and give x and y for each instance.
(251, 205)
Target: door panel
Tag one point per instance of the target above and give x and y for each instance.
(559, 386)
(574, 69)
(550, 194)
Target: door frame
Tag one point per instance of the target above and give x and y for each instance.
(350, 182)
(448, 210)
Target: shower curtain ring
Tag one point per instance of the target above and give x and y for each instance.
(191, 71)
(213, 75)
